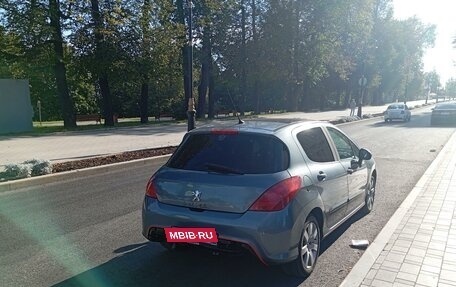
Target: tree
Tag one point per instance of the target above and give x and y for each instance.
(66, 102)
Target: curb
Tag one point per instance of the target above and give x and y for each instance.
(367, 260)
(72, 174)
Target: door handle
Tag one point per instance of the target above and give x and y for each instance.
(321, 176)
(350, 170)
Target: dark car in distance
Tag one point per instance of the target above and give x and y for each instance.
(444, 114)
(275, 189)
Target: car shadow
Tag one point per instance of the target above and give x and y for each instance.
(148, 264)
(339, 231)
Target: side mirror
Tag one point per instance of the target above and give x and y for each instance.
(364, 154)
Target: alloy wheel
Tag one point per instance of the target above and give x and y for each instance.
(310, 244)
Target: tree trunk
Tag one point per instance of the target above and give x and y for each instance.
(256, 95)
(206, 56)
(185, 58)
(211, 99)
(66, 102)
(243, 86)
(143, 102)
(100, 52)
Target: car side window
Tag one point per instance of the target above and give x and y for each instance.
(315, 145)
(345, 147)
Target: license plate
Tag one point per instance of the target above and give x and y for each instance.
(191, 235)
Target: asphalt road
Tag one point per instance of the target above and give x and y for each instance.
(86, 232)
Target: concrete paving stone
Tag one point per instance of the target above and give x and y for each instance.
(430, 269)
(407, 276)
(410, 230)
(449, 275)
(450, 258)
(410, 268)
(439, 239)
(388, 247)
(391, 266)
(376, 266)
(444, 285)
(450, 283)
(440, 233)
(417, 251)
(371, 274)
(450, 250)
(427, 229)
(414, 259)
(405, 282)
(381, 283)
(415, 220)
(433, 261)
(415, 226)
(399, 249)
(395, 257)
(406, 243)
(423, 237)
(397, 284)
(437, 246)
(427, 279)
(406, 236)
(366, 282)
(381, 258)
(385, 275)
(448, 265)
(435, 253)
(420, 244)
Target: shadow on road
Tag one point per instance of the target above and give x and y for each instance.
(148, 264)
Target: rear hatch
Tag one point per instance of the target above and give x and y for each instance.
(222, 171)
(396, 111)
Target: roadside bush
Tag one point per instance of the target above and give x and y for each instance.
(26, 169)
(16, 171)
(40, 167)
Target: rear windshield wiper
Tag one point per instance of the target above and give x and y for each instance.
(221, 168)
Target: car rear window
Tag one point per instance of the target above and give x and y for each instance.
(247, 153)
(448, 106)
(396, 107)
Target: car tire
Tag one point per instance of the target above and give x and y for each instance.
(308, 250)
(370, 196)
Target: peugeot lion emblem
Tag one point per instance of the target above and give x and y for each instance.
(196, 195)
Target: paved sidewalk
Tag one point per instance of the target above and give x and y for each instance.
(417, 247)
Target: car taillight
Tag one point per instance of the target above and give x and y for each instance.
(278, 196)
(224, 131)
(151, 191)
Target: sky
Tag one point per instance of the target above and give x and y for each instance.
(442, 13)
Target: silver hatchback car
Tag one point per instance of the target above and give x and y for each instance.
(273, 188)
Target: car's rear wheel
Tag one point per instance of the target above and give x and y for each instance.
(309, 249)
(370, 196)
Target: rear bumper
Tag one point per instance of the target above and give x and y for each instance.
(395, 117)
(443, 119)
(271, 236)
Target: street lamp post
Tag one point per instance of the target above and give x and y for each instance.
(38, 104)
(191, 103)
(362, 82)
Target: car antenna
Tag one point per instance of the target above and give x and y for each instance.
(235, 109)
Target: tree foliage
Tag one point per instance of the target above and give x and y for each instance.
(131, 58)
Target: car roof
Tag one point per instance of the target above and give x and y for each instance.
(446, 105)
(265, 126)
